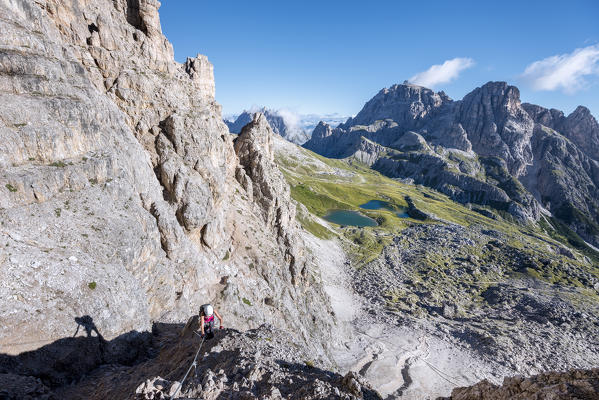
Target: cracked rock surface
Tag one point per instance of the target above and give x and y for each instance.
(119, 193)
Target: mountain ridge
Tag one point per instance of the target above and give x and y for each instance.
(296, 128)
(504, 138)
(280, 123)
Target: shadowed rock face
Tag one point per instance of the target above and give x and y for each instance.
(580, 126)
(497, 125)
(563, 175)
(574, 384)
(119, 196)
(487, 148)
(582, 129)
(257, 364)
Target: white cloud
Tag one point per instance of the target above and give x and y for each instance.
(564, 71)
(291, 118)
(442, 73)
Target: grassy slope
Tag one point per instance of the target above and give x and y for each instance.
(322, 184)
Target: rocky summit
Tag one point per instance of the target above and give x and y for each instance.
(126, 203)
(283, 123)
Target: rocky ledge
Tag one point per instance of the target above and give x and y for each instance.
(575, 384)
(263, 363)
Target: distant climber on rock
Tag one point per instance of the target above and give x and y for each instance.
(207, 313)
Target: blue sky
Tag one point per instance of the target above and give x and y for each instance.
(333, 56)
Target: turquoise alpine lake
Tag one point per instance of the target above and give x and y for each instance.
(383, 205)
(402, 214)
(346, 217)
(376, 205)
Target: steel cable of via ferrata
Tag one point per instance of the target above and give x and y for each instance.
(442, 374)
(193, 364)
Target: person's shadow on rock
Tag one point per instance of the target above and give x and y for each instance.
(87, 323)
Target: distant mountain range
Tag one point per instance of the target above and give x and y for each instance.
(519, 160)
(296, 128)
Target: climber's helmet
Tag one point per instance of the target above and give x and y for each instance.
(207, 310)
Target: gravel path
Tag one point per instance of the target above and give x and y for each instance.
(400, 362)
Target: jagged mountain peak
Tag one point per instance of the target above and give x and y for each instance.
(258, 131)
(580, 126)
(322, 130)
(491, 122)
(283, 122)
(544, 116)
(497, 124)
(498, 94)
(582, 111)
(403, 103)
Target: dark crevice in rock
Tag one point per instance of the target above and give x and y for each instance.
(93, 28)
(203, 232)
(134, 16)
(180, 215)
(165, 193)
(168, 129)
(163, 239)
(364, 369)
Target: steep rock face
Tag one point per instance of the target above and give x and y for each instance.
(268, 187)
(431, 170)
(550, 118)
(497, 125)
(63, 253)
(322, 130)
(118, 194)
(169, 106)
(368, 151)
(582, 129)
(580, 126)
(405, 104)
(335, 143)
(563, 174)
(566, 182)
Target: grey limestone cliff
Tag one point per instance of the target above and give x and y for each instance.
(120, 193)
(564, 176)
